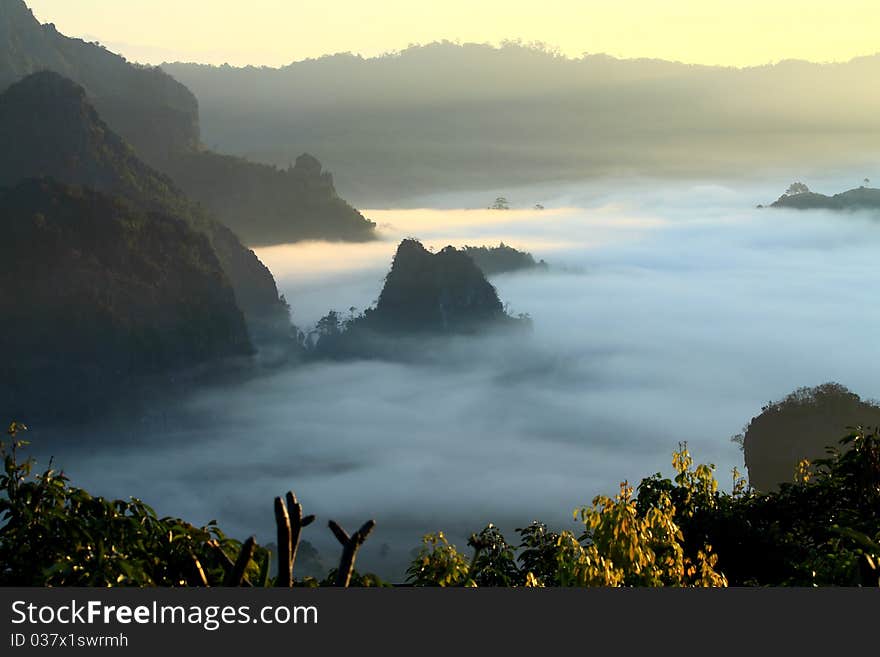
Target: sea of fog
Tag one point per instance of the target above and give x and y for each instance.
(670, 312)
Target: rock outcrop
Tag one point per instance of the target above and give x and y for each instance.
(426, 296)
(443, 292)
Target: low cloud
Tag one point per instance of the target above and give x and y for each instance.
(673, 317)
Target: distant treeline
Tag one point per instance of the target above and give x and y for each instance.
(473, 116)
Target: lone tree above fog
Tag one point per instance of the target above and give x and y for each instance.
(501, 203)
(796, 188)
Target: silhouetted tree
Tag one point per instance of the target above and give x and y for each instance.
(797, 188)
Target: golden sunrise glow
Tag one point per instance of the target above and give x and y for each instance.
(277, 32)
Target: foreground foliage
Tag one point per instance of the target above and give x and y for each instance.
(622, 544)
(56, 535)
(821, 529)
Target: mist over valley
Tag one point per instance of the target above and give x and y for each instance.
(668, 312)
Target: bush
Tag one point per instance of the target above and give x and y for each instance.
(52, 534)
(823, 529)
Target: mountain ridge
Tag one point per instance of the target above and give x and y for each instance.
(156, 113)
(465, 117)
(159, 117)
(51, 130)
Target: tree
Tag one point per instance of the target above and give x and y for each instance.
(329, 325)
(796, 188)
(501, 203)
(53, 534)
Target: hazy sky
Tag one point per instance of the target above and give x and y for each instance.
(276, 32)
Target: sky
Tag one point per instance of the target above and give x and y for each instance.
(278, 32)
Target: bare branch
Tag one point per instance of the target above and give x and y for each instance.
(338, 532)
(285, 563)
(350, 547)
(295, 510)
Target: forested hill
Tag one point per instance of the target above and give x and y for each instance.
(49, 129)
(99, 293)
(159, 117)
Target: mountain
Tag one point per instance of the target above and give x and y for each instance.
(159, 118)
(156, 114)
(267, 205)
(426, 295)
(801, 426)
(443, 292)
(502, 259)
(860, 198)
(470, 116)
(49, 129)
(100, 294)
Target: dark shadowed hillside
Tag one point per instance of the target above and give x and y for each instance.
(801, 426)
(98, 294)
(159, 118)
(473, 116)
(155, 113)
(269, 205)
(49, 129)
